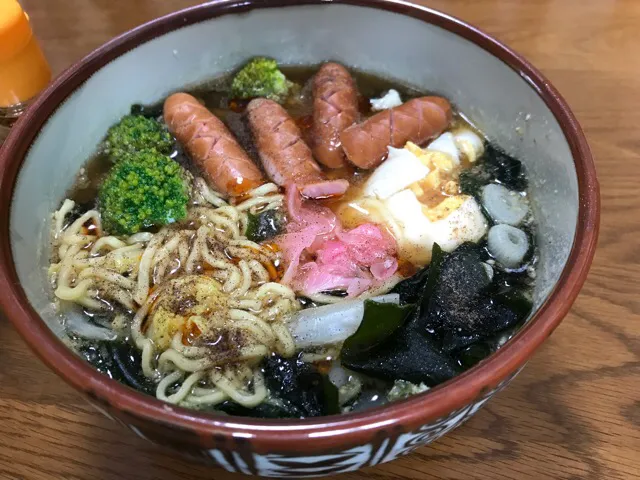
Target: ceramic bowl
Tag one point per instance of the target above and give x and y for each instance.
(497, 89)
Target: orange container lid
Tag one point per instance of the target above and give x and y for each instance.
(15, 30)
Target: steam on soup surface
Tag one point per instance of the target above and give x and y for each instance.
(293, 242)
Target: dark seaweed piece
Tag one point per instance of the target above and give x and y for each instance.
(504, 168)
(495, 165)
(264, 225)
(419, 287)
(509, 289)
(453, 342)
(98, 356)
(435, 269)
(149, 111)
(119, 361)
(464, 272)
(331, 396)
(77, 211)
(407, 355)
(465, 307)
(379, 322)
(129, 359)
(462, 278)
(516, 301)
(460, 316)
(299, 384)
(307, 303)
(472, 181)
(490, 318)
(263, 410)
(474, 354)
(410, 289)
(335, 293)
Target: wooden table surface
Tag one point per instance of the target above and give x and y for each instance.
(574, 412)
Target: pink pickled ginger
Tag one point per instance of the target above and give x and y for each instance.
(320, 256)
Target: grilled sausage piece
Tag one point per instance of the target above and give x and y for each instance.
(285, 157)
(225, 164)
(335, 107)
(417, 120)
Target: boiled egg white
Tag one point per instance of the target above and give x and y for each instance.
(469, 144)
(462, 142)
(389, 100)
(456, 220)
(446, 143)
(392, 196)
(397, 172)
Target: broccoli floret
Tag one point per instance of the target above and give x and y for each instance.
(134, 133)
(143, 190)
(261, 78)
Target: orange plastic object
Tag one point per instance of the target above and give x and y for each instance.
(23, 69)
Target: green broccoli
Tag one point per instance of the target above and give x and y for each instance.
(143, 190)
(134, 133)
(261, 78)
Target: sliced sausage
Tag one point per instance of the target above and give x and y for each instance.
(225, 164)
(335, 107)
(417, 120)
(286, 158)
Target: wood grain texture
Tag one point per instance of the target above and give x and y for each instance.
(574, 412)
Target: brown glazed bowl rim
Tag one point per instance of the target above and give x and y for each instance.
(347, 429)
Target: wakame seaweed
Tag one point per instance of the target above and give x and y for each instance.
(418, 288)
(407, 353)
(379, 322)
(149, 111)
(494, 166)
(297, 390)
(120, 361)
(456, 315)
(265, 225)
(504, 168)
(331, 396)
(267, 409)
(301, 386)
(410, 289)
(464, 308)
(435, 268)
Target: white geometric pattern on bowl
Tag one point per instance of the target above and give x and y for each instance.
(387, 449)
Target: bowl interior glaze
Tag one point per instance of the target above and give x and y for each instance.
(492, 95)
